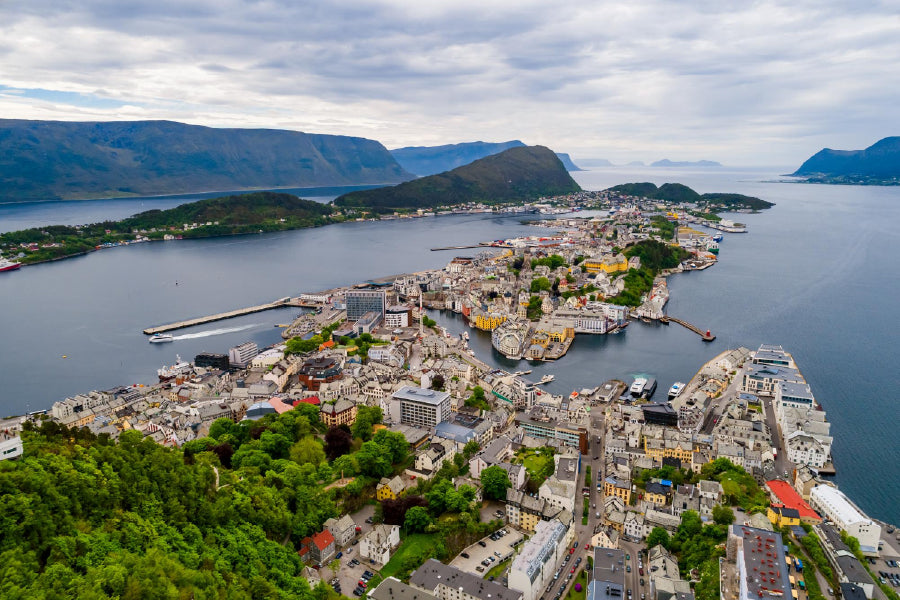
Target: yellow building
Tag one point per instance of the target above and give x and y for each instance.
(489, 322)
(389, 489)
(619, 488)
(606, 263)
(659, 449)
(781, 516)
(656, 494)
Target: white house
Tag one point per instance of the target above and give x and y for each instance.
(380, 543)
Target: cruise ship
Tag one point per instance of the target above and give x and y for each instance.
(8, 265)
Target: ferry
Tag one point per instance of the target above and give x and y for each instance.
(546, 379)
(161, 338)
(637, 388)
(8, 265)
(676, 389)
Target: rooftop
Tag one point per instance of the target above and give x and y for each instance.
(433, 574)
(763, 562)
(535, 552)
(840, 505)
(418, 394)
(790, 498)
(394, 589)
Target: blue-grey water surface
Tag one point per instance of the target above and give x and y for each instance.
(818, 274)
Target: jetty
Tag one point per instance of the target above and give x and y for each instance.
(457, 247)
(280, 303)
(705, 335)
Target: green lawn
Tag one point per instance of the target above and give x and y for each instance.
(498, 570)
(539, 467)
(417, 543)
(582, 579)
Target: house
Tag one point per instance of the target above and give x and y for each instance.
(449, 583)
(392, 588)
(389, 489)
(634, 525)
(317, 549)
(342, 529)
(380, 543)
(782, 516)
(656, 493)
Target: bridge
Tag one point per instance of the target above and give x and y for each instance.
(705, 335)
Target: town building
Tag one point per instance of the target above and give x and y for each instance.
(607, 578)
(362, 301)
(449, 583)
(380, 543)
(317, 549)
(832, 504)
(397, 316)
(342, 529)
(783, 494)
(316, 371)
(342, 412)
(241, 355)
(389, 489)
(10, 446)
(392, 588)
(536, 563)
(757, 557)
(421, 407)
(846, 565)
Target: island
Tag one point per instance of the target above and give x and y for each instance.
(685, 163)
(709, 203)
(879, 164)
(430, 160)
(515, 175)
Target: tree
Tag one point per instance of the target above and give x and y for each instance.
(437, 382)
(345, 465)
(722, 515)
(334, 566)
(307, 451)
(373, 461)
(366, 417)
(495, 482)
(338, 442)
(417, 519)
(470, 448)
(540, 284)
(658, 536)
(394, 445)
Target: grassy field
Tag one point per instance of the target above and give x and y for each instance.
(498, 570)
(417, 543)
(582, 579)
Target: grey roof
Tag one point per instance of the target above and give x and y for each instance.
(608, 577)
(394, 589)
(433, 574)
(417, 394)
(539, 548)
(852, 592)
(763, 551)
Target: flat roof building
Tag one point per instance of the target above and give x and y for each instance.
(608, 576)
(421, 407)
(760, 563)
(835, 506)
(536, 563)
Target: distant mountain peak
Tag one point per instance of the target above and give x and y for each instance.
(880, 161)
(428, 160)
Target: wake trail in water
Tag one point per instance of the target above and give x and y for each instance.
(221, 331)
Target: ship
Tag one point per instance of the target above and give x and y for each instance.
(712, 246)
(676, 389)
(547, 378)
(718, 237)
(179, 368)
(160, 338)
(8, 265)
(637, 388)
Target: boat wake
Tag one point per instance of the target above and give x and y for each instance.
(221, 331)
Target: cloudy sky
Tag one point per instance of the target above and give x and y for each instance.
(744, 83)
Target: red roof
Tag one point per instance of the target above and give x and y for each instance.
(323, 539)
(791, 499)
(279, 406)
(311, 400)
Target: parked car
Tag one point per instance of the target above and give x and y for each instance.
(482, 544)
(479, 569)
(339, 554)
(628, 568)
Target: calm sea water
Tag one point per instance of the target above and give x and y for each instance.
(818, 274)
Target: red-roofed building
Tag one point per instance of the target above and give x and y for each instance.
(314, 400)
(279, 406)
(319, 548)
(782, 493)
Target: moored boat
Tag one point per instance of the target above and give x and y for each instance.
(676, 389)
(8, 265)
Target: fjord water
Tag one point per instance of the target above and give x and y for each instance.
(817, 273)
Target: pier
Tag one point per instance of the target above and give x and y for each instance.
(705, 335)
(458, 247)
(280, 303)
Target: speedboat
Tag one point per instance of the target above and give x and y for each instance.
(160, 338)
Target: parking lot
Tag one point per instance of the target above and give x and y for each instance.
(498, 550)
(349, 574)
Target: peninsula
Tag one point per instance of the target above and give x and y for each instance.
(879, 164)
(53, 160)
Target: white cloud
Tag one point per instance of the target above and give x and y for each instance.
(743, 83)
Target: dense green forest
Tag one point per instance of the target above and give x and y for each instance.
(655, 256)
(84, 517)
(677, 193)
(514, 175)
(228, 215)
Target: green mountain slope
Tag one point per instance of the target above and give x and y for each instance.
(517, 174)
(46, 160)
(428, 160)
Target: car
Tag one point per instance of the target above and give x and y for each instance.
(362, 584)
(369, 520)
(629, 592)
(587, 546)
(492, 559)
(491, 578)
(641, 570)
(368, 573)
(479, 569)
(498, 555)
(349, 550)
(628, 568)
(575, 546)
(573, 570)
(739, 509)
(627, 557)
(555, 577)
(577, 561)
(642, 581)
(571, 550)
(596, 457)
(482, 544)
(486, 562)
(358, 591)
(339, 554)
(830, 592)
(562, 588)
(355, 542)
(643, 596)
(464, 555)
(549, 587)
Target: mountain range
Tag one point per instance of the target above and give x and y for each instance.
(879, 163)
(517, 174)
(430, 160)
(53, 160)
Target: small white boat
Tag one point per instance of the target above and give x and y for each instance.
(161, 338)
(547, 378)
(676, 389)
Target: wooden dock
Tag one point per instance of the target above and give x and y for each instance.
(705, 335)
(281, 303)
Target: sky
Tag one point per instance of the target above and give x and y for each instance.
(746, 83)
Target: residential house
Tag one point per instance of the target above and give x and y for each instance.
(389, 489)
(380, 543)
(342, 529)
(317, 549)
